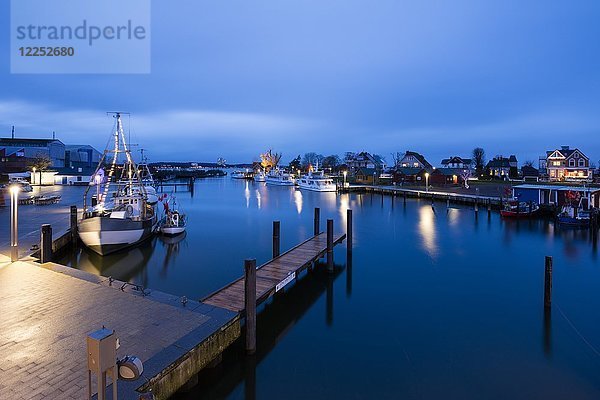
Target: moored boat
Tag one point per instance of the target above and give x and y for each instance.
(120, 215)
(242, 174)
(173, 223)
(575, 216)
(519, 209)
(317, 181)
(277, 177)
(260, 176)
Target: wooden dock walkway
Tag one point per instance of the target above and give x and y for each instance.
(273, 275)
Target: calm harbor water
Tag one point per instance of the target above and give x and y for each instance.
(435, 304)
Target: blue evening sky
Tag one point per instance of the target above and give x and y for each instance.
(234, 78)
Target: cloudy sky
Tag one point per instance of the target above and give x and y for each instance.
(234, 78)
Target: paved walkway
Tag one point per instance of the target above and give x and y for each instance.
(47, 312)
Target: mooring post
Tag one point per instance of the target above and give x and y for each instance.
(317, 218)
(46, 244)
(250, 303)
(349, 232)
(73, 223)
(548, 282)
(329, 245)
(448, 202)
(489, 208)
(276, 238)
(404, 198)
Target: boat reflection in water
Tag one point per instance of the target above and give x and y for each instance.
(172, 246)
(123, 265)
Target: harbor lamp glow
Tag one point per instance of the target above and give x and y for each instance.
(14, 221)
(427, 181)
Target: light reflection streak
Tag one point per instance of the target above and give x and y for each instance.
(247, 195)
(427, 230)
(298, 200)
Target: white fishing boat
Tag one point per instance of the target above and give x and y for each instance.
(277, 177)
(173, 222)
(260, 176)
(242, 174)
(120, 215)
(148, 180)
(317, 181)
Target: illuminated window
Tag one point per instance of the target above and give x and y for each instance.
(571, 162)
(581, 162)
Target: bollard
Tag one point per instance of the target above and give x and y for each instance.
(276, 238)
(349, 231)
(46, 244)
(250, 303)
(73, 223)
(548, 282)
(329, 245)
(317, 218)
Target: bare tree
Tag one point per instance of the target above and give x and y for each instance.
(40, 162)
(479, 159)
(397, 157)
(311, 159)
(528, 163)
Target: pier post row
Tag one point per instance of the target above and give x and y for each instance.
(46, 243)
(548, 282)
(276, 238)
(330, 245)
(250, 304)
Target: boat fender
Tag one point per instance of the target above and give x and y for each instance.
(129, 210)
(130, 368)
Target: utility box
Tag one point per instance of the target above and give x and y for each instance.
(102, 359)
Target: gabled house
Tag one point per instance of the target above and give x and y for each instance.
(409, 175)
(502, 167)
(366, 175)
(567, 164)
(413, 159)
(447, 176)
(530, 174)
(457, 162)
(354, 161)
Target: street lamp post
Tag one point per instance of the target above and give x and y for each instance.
(345, 173)
(14, 221)
(427, 181)
(33, 177)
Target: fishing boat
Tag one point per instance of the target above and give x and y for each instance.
(519, 209)
(147, 180)
(260, 176)
(277, 177)
(242, 174)
(578, 216)
(173, 222)
(317, 181)
(119, 215)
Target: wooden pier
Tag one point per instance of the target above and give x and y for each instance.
(271, 275)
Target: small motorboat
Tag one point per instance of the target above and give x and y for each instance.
(575, 216)
(519, 209)
(260, 176)
(173, 223)
(249, 175)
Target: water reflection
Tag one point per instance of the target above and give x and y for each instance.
(427, 230)
(172, 246)
(247, 193)
(298, 201)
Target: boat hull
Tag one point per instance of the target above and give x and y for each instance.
(574, 222)
(105, 235)
(321, 189)
(518, 215)
(172, 230)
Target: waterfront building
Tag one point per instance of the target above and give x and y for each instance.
(457, 162)
(16, 154)
(354, 161)
(530, 174)
(448, 176)
(567, 164)
(410, 175)
(554, 195)
(502, 167)
(365, 176)
(413, 159)
(81, 155)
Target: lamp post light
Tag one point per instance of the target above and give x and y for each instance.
(345, 174)
(14, 222)
(427, 181)
(33, 176)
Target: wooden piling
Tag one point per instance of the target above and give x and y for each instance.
(548, 282)
(276, 238)
(317, 219)
(489, 208)
(73, 223)
(250, 304)
(329, 245)
(46, 244)
(349, 231)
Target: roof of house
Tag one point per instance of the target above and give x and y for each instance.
(565, 151)
(528, 170)
(456, 160)
(419, 157)
(499, 162)
(512, 158)
(409, 170)
(366, 171)
(25, 141)
(448, 171)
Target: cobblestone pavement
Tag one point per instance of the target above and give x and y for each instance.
(45, 317)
